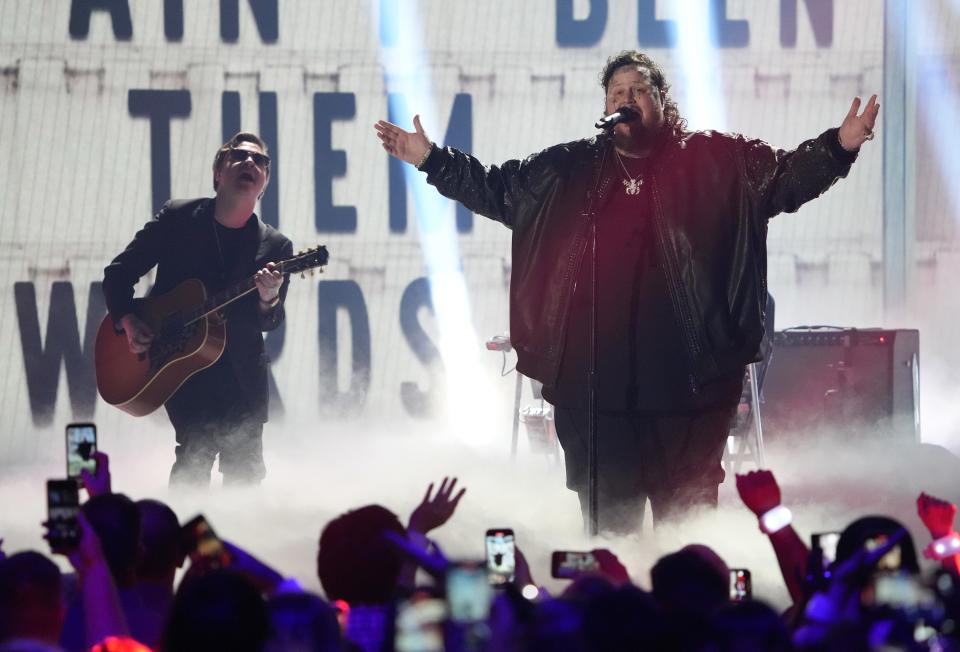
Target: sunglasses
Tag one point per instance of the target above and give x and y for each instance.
(240, 155)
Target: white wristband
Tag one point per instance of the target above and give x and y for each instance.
(944, 547)
(775, 520)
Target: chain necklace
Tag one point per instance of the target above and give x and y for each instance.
(632, 184)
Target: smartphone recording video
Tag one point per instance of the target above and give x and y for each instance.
(81, 441)
(469, 592)
(569, 565)
(826, 542)
(419, 625)
(63, 506)
(501, 556)
(203, 545)
(902, 591)
(741, 587)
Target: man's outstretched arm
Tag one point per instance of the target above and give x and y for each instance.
(784, 180)
(492, 191)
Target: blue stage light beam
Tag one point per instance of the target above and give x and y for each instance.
(704, 106)
(406, 66)
(937, 96)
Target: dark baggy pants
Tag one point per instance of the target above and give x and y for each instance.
(672, 459)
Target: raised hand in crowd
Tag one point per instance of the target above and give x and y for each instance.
(103, 614)
(938, 517)
(841, 603)
(760, 492)
(936, 514)
(435, 510)
(238, 561)
(98, 483)
(611, 567)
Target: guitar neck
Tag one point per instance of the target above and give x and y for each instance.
(312, 258)
(221, 300)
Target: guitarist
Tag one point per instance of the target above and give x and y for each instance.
(220, 240)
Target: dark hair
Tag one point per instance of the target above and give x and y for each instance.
(160, 537)
(30, 596)
(116, 520)
(688, 581)
(217, 611)
(239, 137)
(671, 112)
(856, 535)
(749, 625)
(626, 618)
(355, 561)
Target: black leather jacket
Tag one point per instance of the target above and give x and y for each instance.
(712, 196)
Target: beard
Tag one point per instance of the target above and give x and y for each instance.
(636, 136)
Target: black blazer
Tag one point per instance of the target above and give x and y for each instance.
(180, 241)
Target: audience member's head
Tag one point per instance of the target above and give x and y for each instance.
(31, 606)
(116, 520)
(587, 588)
(748, 626)
(625, 618)
(161, 551)
(693, 580)
(556, 626)
(302, 622)
(217, 611)
(356, 562)
(870, 531)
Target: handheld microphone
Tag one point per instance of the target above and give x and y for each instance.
(623, 114)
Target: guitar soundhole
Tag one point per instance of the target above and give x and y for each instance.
(169, 346)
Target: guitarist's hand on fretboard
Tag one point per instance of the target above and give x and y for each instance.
(268, 281)
(139, 335)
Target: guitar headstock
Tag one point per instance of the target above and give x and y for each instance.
(309, 259)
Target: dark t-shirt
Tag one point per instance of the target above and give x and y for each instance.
(216, 393)
(642, 364)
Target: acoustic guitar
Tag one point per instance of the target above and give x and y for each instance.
(189, 336)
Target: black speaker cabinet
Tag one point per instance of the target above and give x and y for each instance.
(843, 382)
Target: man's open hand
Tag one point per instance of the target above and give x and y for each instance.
(409, 146)
(857, 129)
(432, 512)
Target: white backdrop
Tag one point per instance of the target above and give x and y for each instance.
(77, 170)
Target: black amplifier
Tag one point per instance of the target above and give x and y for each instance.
(843, 381)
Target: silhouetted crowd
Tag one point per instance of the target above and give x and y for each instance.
(388, 586)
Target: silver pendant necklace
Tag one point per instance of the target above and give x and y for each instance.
(632, 184)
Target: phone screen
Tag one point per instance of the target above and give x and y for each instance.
(501, 556)
(81, 445)
(740, 585)
(901, 591)
(63, 505)
(566, 564)
(200, 541)
(827, 542)
(469, 592)
(419, 625)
